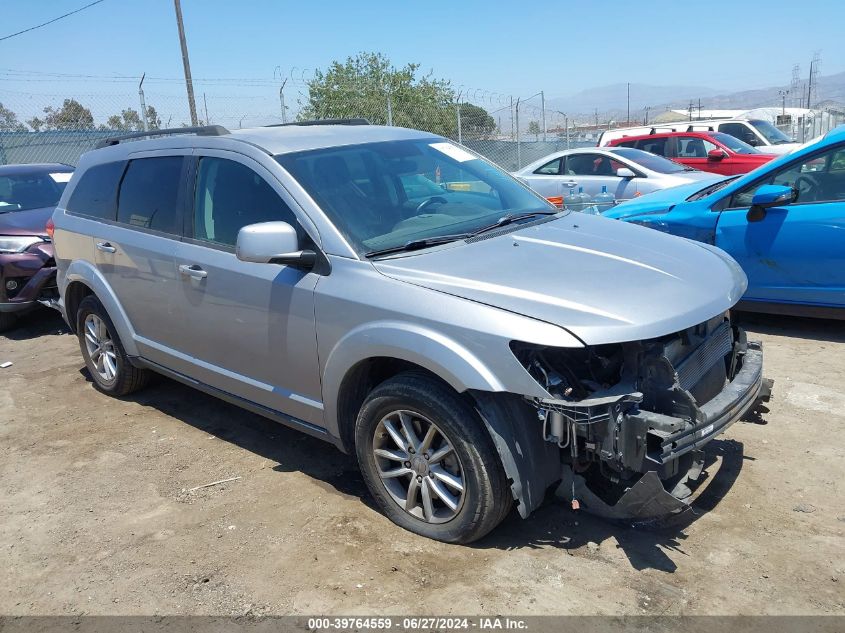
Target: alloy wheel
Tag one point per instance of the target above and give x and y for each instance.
(100, 348)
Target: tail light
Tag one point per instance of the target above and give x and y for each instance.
(50, 228)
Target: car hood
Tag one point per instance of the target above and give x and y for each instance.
(659, 201)
(29, 222)
(780, 149)
(603, 281)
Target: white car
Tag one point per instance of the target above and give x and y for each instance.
(756, 132)
(626, 172)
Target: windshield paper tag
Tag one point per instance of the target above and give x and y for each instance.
(61, 176)
(453, 151)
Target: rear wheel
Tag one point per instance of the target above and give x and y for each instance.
(103, 352)
(429, 462)
(8, 320)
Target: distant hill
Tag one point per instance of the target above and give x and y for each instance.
(611, 100)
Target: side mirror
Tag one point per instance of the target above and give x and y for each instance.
(715, 154)
(272, 243)
(624, 172)
(768, 196)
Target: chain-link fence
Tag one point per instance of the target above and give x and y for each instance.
(59, 128)
(512, 132)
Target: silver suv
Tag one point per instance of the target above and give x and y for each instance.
(402, 298)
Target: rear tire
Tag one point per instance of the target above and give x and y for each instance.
(451, 489)
(8, 320)
(106, 360)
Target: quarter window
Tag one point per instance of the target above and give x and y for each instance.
(149, 194)
(229, 196)
(95, 195)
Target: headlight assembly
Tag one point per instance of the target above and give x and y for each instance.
(17, 243)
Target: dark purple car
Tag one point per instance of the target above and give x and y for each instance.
(28, 196)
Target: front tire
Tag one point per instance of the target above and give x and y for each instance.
(428, 460)
(103, 352)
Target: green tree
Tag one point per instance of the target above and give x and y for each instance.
(534, 128)
(476, 122)
(127, 121)
(359, 87)
(71, 116)
(9, 121)
(153, 119)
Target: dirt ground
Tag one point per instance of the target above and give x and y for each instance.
(97, 516)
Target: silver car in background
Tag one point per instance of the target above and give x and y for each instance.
(396, 295)
(625, 172)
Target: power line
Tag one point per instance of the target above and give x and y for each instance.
(38, 26)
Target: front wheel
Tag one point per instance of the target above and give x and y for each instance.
(428, 460)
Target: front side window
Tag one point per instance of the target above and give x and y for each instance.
(550, 169)
(383, 195)
(739, 131)
(95, 195)
(817, 178)
(734, 144)
(149, 194)
(228, 196)
(694, 147)
(591, 165)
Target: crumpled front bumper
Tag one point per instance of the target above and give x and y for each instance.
(660, 441)
(34, 271)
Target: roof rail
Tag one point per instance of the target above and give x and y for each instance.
(358, 121)
(202, 130)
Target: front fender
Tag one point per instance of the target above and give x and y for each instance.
(86, 273)
(437, 353)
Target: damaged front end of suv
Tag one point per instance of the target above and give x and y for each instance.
(631, 418)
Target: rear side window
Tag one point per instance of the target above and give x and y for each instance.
(149, 196)
(653, 145)
(229, 196)
(95, 194)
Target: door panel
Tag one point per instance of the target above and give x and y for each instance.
(795, 252)
(249, 328)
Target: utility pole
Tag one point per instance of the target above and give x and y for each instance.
(186, 62)
(518, 149)
(597, 119)
(699, 108)
(543, 108)
(646, 115)
(143, 103)
(512, 128)
(810, 85)
(783, 94)
(282, 101)
(628, 116)
(205, 106)
(690, 110)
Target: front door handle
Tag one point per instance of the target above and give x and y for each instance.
(106, 247)
(193, 271)
(571, 184)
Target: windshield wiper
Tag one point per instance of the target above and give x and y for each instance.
(415, 245)
(510, 219)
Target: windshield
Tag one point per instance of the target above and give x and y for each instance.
(20, 192)
(771, 133)
(734, 144)
(651, 161)
(383, 195)
(703, 193)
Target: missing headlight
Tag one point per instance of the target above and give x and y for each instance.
(571, 373)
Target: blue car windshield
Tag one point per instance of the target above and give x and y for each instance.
(711, 189)
(383, 195)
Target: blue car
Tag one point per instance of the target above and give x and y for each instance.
(784, 223)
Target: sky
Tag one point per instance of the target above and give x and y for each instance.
(505, 48)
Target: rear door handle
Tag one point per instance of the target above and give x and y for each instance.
(193, 271)
(106, 247)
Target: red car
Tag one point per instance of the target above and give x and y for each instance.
(708, 151)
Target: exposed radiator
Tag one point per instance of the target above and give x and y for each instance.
(711, 351)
